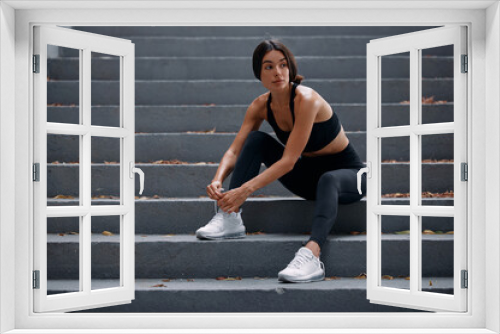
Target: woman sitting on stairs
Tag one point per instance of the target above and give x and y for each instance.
(314, 159)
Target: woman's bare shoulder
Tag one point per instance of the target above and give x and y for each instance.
(307, 95)
(258, 105)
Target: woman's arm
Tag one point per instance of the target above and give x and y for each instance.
(305, 114)
(251, 122)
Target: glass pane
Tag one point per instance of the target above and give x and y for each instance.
(63, 170)
(395, 249)
(63, 255)
(395, 95)
(105, 171)
(437, 84)
(437, 170)
(395, 170)
(63, 85)
(105, 90)
(105, 252)
(437, 254)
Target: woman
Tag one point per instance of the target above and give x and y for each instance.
(317, 162)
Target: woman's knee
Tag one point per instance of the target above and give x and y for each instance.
(329, 180)
(257, 137)
(265, 145)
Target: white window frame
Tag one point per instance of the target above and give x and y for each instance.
(86, 297)
(483, 123)
(414, 44)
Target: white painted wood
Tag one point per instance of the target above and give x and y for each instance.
(7, 166)
(86, 298)
(246, 4)
(97, 131)
(413, 43)
(472, 322)
(491, 163)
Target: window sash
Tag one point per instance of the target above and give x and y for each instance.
(86, 43)
(413, 43)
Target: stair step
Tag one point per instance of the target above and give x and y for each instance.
(216, 68)
(175, 92)
(228, 118)
(243, 46)
(260, 214)
(210, 147)
(184, 256)
(191, 180)
(344, 294)
(262, 32)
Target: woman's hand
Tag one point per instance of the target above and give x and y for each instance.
(214, 190)
(233, 199)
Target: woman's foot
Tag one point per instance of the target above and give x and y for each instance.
(305, 267)
(223, 226)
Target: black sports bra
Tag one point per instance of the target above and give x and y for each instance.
(322, 133)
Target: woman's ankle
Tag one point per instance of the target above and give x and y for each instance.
(314, 248)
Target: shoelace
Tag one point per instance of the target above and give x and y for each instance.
(299, 260)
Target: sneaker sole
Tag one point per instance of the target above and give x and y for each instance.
(228, 236)
(314, 278)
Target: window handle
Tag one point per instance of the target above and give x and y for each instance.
(368, 171)
(141, 176)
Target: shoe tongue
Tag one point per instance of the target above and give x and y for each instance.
(305, 251)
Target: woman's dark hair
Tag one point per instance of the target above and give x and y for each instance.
(269, 45)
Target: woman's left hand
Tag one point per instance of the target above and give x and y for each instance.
(233, 199)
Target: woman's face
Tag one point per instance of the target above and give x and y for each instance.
(274, 73)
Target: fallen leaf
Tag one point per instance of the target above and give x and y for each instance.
(64, 197)
(168, 235)
(355, 232)
(73, 233)
(107, 233)
(332, 278)
(407, 278)
(450, 232)
(430, 283)
(110, 162)
(430, 100)
(428, 232)
(387, 277)
(190, 280)
(169, 162)
(361, 276)
(402, 232)
(61, 234)
(165, 280)
(205, 131)
(144, 236)
(233, 278)
(159, 286)
(256, 233)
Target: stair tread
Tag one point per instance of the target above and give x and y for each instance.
(251, 283)
(202, 106)
(271, 237)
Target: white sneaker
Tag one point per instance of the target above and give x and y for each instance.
(305, 267)
(223, 226)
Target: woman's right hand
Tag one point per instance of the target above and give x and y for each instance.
(214, 190)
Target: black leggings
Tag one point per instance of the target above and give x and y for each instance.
(329, 180)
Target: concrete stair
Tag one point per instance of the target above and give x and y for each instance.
(254, 294)
(193, 86)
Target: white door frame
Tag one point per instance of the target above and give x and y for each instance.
(482, 97)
